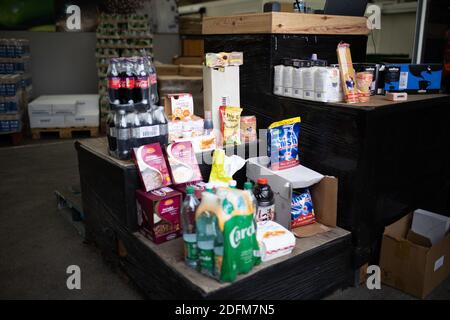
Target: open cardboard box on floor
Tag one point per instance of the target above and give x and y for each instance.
(410, 262)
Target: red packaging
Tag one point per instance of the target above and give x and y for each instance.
(199, 188)
(152, 166)
(158, 214)
(183, 163)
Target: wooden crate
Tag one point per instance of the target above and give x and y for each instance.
(192, 47)
(190, 25)
(64, 133)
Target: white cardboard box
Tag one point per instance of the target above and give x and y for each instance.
(219, 85)
(52, 121)
(82, 120)
(65, 104)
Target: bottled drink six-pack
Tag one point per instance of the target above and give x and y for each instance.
(135, 118)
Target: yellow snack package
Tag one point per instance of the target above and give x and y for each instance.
(230, 125)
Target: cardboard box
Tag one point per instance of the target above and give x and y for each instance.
(86, 120)
(179, 106)
(413, 78)
(220, 86)
(166, 69)
(158, 214)
(192, 47)
(50, 121)
(187, 60)
(324, 190)
(191, 71)
(409, 262)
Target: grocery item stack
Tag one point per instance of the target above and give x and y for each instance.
(15, 83)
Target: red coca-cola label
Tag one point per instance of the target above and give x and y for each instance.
(127, 83)
(114, 83)
(152, 79)
(142, 82)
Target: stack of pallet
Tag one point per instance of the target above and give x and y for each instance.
(119, 36)
(15, 86)
(185, 75)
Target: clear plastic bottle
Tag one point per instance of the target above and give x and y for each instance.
(218, 251)
(188, 222)
(206, 232)
(232, 184)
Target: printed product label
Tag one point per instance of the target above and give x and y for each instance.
(218, 264)
(190, 250)
(142, 82)
(403, 82)
(152, 79)
(265, 213)
(114, 83)
(149, 131)
(123, 134)
(206, 258)
(127, 83)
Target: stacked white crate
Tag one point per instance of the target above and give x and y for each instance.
(64, 111)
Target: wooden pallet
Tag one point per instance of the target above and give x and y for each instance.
(64, 133)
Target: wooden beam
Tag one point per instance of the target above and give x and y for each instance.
(285, 23)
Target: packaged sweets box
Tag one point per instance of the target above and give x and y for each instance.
(158, 214)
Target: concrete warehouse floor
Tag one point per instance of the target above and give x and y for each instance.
(37, 243)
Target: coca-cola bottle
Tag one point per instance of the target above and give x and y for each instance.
(113, 82)
(141, 88)
(135, 129)
(160, 118)
(150, 130)
(111, 133)
(123, 136)
(127, 82)
(152, 80)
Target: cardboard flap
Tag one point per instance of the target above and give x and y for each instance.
(310, 230)
(399, 229)
(418, 239)
(324, 196)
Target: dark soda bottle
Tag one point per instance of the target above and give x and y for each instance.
(141, 88)
(135, 129)
(123, 136)
(127, 82)
(113, 82)
(150, 130)
(152, 79)
(265, 202)
(160, 119)
(111, 133)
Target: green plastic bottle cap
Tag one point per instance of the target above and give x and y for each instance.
(190, 190)
(248, 185)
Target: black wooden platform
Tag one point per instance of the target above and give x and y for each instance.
(318, 266)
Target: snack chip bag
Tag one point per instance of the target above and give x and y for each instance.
(282, 143)
(302, 209)
(230, 125)
(235, 222)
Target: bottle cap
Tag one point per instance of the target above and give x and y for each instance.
(209, 188)
(232, 184)
(190, 190)
(314, 56)
(262, 181)
(248, 185)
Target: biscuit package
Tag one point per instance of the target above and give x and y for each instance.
(230, 125)
(348, 76)
(282, 143)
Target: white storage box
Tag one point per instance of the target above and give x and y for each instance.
(91, 120)
(51, 121)
(65, 104)
(220, 87)
(430, 225)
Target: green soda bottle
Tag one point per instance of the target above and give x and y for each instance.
(188, 208)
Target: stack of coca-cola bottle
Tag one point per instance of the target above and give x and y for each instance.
(135, 119)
